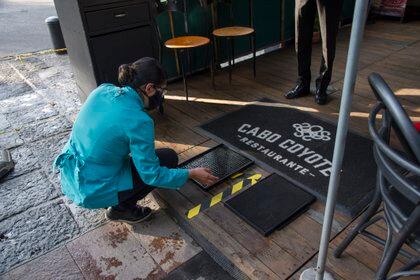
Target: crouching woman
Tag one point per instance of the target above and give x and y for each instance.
(110, 159)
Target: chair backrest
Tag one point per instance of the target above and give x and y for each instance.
(172, 14)
(201, 14)
(229, 6)
(398, 175)
(400, 122)
(176, 14)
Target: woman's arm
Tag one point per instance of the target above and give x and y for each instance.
(141, 138)
(142, 147)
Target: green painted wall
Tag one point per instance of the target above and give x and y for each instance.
(268, 16)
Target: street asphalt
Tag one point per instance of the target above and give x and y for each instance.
(23, 27)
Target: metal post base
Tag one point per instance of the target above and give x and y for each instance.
(310, 274)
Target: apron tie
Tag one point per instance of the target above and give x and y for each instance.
(71, 153)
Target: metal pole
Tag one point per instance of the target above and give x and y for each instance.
(359, 19)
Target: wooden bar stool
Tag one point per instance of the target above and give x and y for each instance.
(233, 31)
(183, 44)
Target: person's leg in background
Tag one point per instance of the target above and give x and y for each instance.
(127, 209)
(329, 12)
(305, 12)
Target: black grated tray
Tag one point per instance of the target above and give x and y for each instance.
(222, 161)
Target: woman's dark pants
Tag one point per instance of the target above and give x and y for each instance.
(128, 199)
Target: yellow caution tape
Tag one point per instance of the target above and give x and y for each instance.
(249, 181)
(31, 54)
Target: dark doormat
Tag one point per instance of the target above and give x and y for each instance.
(299, 147)
(201, 266)
(222, 161)
(271, 204)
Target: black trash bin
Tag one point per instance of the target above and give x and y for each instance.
(56, 35)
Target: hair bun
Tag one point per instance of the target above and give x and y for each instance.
(140, 72)
(126, 74)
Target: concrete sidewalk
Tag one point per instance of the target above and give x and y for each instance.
(45, 236)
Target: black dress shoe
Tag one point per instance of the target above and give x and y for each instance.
(321, 96)
(318, 83)
(301, 89)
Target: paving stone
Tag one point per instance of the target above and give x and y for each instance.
(112, 252)
(24, 192)
(60, 70)
(9, 139)
(25, 162)
(64, 94)
(34, 232)
(4, 123)
(87, 219)
(44, 128)
(71, 115)
(57, 264)
(54, 81)
(201, 267)
(58, 80)
(55, 179)
(49, 73)
(31, 114)
(10, 83)
(165, 241)
(29, 67)
(21, 102)
(13, 89)
(47, 149)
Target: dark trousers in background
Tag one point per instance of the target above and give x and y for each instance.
(329, 12)
(128, 199)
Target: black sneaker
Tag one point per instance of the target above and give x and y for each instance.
(130, 216)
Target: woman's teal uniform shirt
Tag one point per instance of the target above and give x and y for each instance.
(95, 162)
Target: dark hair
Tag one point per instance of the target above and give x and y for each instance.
(143, 71)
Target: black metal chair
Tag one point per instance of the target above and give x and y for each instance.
(182, 42)
(233, 31)
(398, 185)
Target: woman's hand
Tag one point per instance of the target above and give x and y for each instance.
(203, 175)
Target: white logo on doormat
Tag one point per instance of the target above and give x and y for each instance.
(309, 132)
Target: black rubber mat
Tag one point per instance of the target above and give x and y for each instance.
(271, 204)
(222, 161)
(201, 266)
(299, 146)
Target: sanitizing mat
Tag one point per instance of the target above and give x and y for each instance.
(222, 161)
(271, 204)
(299, 146)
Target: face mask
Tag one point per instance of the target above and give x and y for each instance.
(155, 101)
